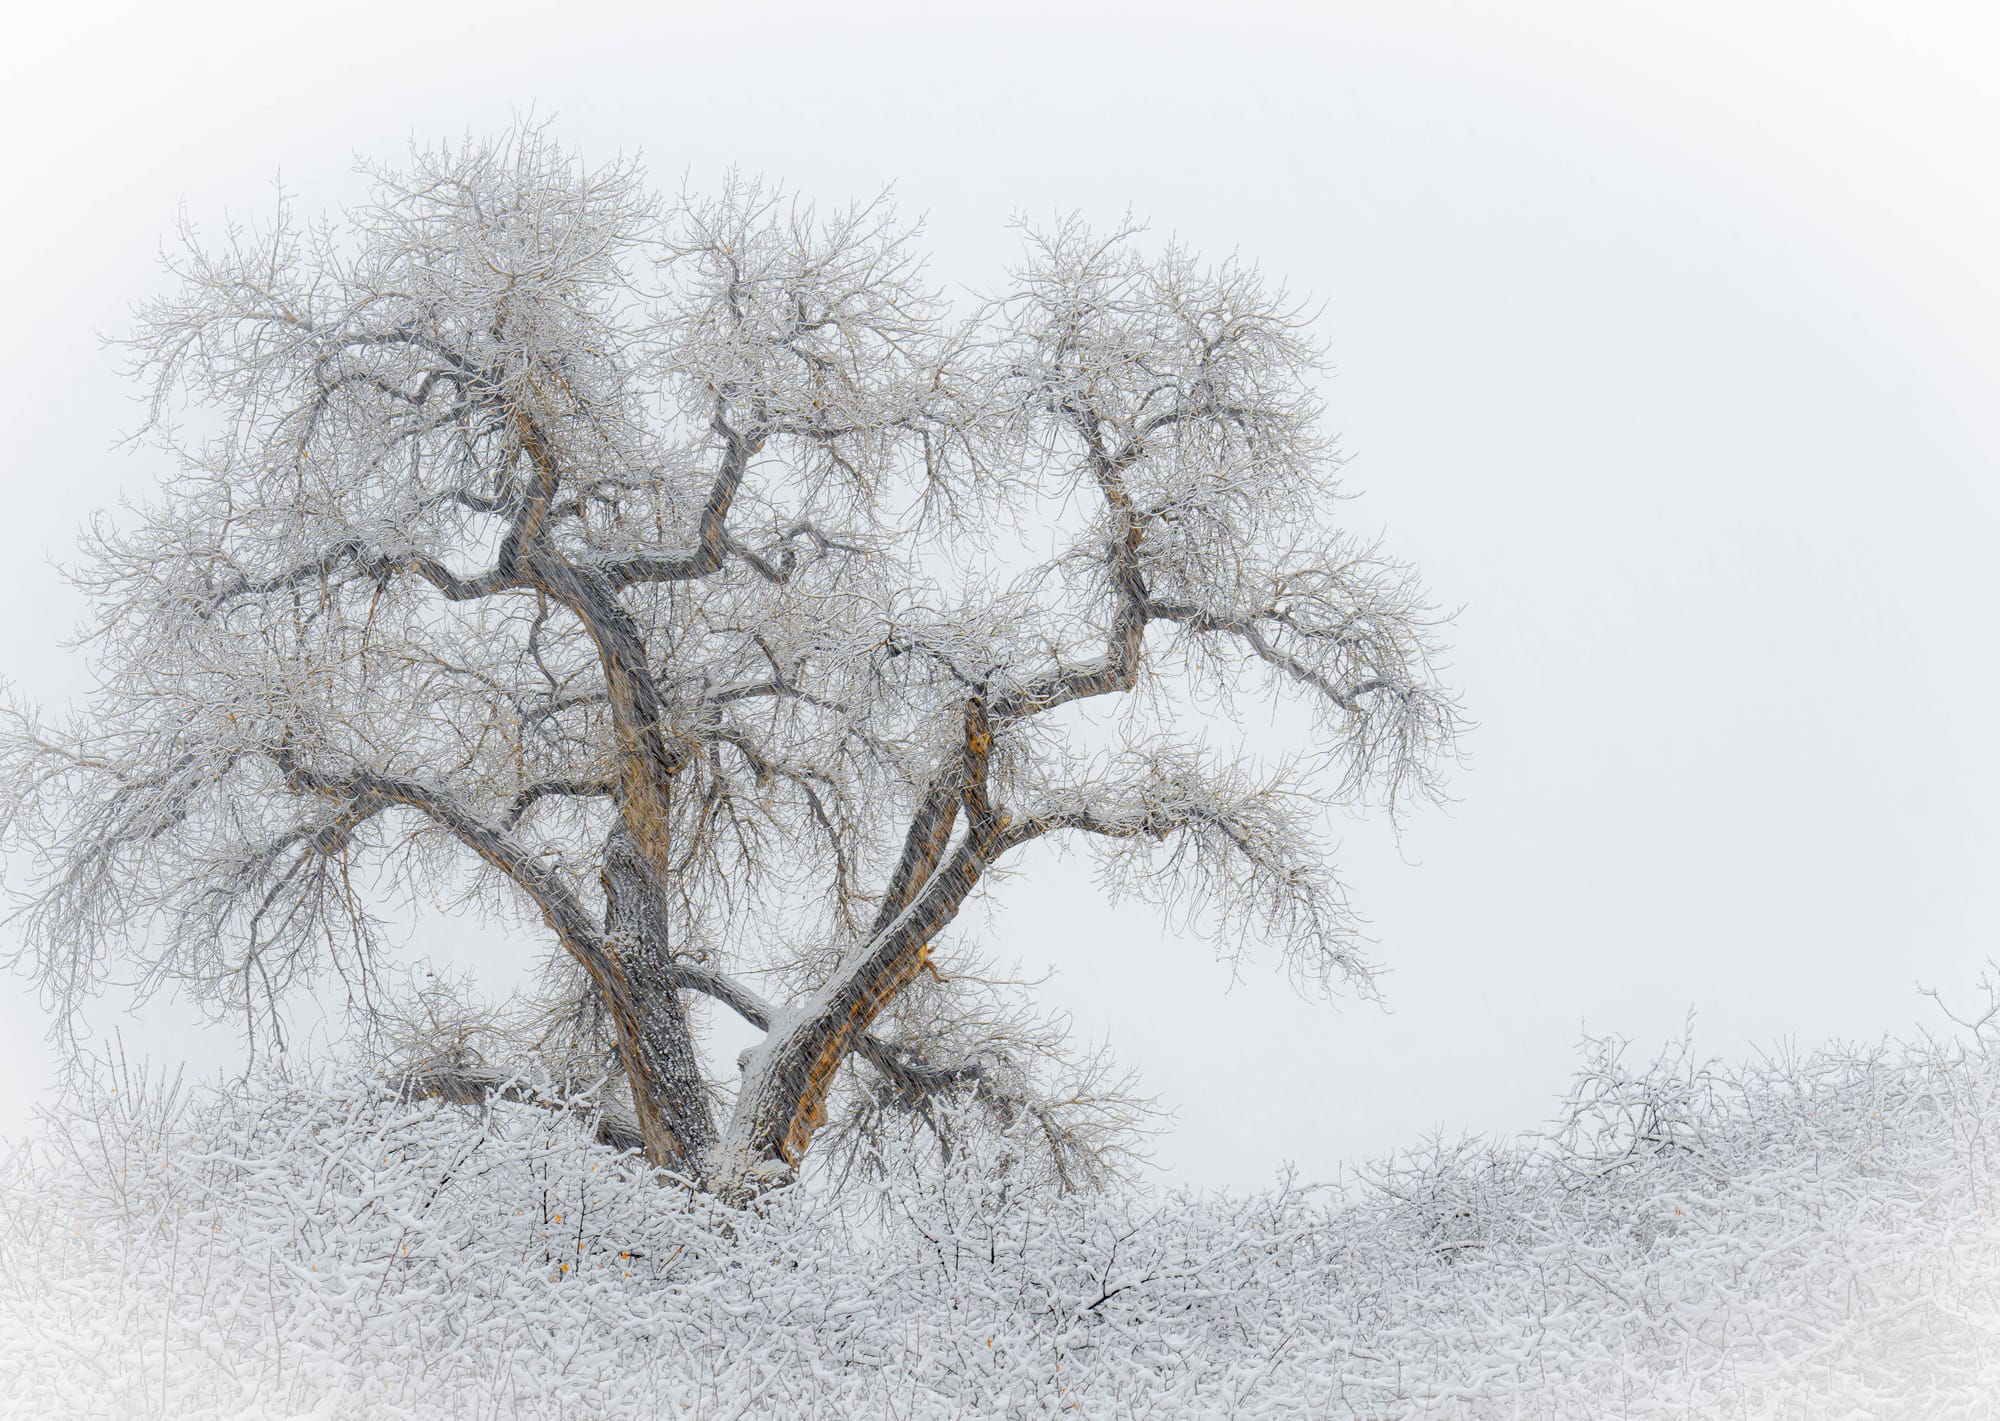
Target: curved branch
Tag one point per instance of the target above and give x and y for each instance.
(1246, 630)
(1118, 669)
(559, 906)
(369, 562)
(712, 537)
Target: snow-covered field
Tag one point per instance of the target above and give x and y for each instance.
(1813, 1238)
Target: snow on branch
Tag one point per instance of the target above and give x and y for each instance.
(1817, 1240)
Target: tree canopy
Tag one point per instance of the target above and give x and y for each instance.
(696, 582)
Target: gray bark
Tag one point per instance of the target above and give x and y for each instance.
(669, 1083)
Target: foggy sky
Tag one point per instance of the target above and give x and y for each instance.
(1664, 343)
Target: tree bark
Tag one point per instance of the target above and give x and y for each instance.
(669, 1093)
(788, 1076)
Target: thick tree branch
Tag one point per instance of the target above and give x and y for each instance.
(369, 562)
(1118, 669)
(492, 844)
(712, 535)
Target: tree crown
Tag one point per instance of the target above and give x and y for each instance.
(535, 536)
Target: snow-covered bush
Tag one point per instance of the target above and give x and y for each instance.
(1809, 1237)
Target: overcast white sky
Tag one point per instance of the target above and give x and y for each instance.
(1666, 339)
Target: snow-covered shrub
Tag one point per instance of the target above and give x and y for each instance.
(1809, 1237)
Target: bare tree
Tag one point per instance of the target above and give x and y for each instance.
(696, 581)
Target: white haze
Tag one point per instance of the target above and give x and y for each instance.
(1665, 342)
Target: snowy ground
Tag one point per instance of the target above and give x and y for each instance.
(1813, 1238)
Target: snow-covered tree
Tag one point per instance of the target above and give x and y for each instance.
(696, 582)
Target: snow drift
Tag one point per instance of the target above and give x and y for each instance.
(1808, 1237)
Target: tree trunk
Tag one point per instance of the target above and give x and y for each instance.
(669, 1092)
(787, 1078)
